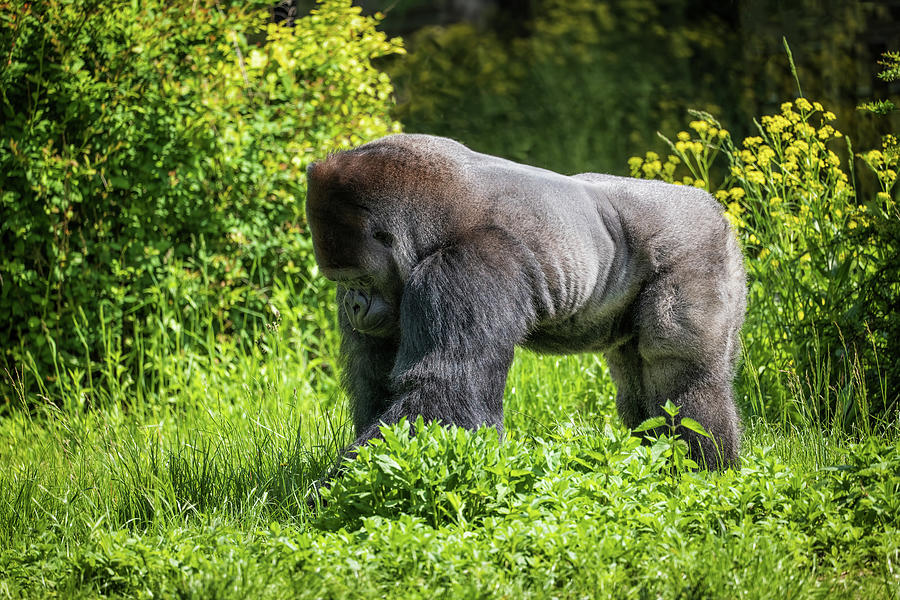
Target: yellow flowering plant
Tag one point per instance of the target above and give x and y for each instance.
(695, 152)
(813, 252)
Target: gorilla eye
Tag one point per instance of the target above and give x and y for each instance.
(384, 237)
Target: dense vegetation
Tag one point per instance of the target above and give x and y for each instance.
(170, 388)
(152, 175)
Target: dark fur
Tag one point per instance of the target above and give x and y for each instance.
(447, 259)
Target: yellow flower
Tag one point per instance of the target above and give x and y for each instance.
(766, 154)
(799, 146)
(684, 136)
(825, 132)
(737, 193)
(776, 123)
(818, 106)
(874, 157)
(803, 104)
(806, 130)
(723, 133)
(829, 116)
(699, 126)
(669, 170)
(756, 177)
(786, 107)
(651, 168)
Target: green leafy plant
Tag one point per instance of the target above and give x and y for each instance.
(667, 441)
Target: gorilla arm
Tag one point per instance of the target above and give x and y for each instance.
(463, 310)
(367, 364)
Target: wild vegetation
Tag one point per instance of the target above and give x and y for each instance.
(171, 388)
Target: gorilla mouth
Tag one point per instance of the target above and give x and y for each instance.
(376, 327)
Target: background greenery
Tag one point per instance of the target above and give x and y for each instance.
(575, 86)
(170, 382)
(152, 175)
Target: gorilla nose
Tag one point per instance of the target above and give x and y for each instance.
(355, 302)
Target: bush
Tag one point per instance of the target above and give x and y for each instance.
(152, 160)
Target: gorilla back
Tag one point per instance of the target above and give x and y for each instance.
(446, 259)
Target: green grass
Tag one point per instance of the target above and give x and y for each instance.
(202, 492)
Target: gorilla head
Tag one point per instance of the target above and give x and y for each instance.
(446, 259)
(355, 246)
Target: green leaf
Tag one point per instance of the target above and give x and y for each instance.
(651, 423)
(689, 423)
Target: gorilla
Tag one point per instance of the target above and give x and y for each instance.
(445, 259)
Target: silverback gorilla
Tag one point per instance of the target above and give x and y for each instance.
(446, 259)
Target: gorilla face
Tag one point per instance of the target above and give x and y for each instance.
(355, 249)
(369, 313)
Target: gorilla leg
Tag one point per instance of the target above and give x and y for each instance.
(627, 373)
(687, 337)
(642, 389)
(702, 396)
